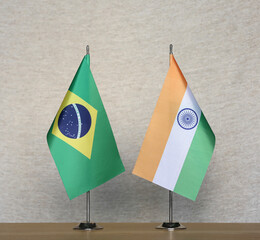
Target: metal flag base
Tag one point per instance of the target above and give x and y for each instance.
(88, 226)
(171, 226)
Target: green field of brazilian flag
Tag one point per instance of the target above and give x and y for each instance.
(80, 138)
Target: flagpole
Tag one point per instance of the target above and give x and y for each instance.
(87, 193)
(171, 51)
(87, 225)
(88, 207)
(170, 192)
(170, 207)
(171, 225)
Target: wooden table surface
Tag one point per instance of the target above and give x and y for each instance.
(127, 231)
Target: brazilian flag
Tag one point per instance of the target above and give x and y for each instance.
(80, 138)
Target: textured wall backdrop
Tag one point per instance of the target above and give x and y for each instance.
(216, 44)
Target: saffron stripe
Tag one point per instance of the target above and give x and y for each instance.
(161, 123)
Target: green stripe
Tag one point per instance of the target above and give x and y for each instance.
(197, 161)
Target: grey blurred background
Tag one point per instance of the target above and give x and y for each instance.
(216, 44)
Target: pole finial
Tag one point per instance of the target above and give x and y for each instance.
(171, 49)
(87, 50)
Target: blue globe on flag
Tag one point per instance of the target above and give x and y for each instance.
(74, 121)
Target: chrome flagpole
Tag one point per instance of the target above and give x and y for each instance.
(171, 225)
(88, 225)
(170, 192)
(170, 207)
(88, 207)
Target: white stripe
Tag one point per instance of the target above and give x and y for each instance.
(79, 119)
(177, 146)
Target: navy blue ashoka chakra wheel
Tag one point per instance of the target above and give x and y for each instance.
(187, 118)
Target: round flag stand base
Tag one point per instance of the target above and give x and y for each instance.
(171, 226)
(88, 226)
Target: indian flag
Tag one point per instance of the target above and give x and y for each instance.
(179, 142)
